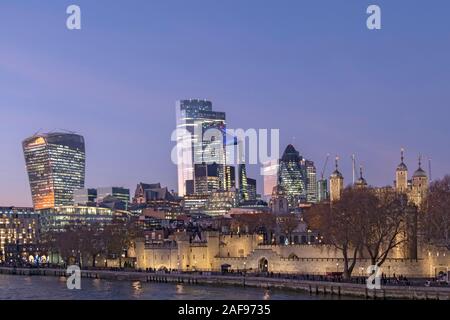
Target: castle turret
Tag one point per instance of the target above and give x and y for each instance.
(361, 182)
(419, 185)
(401, 175)
(336, 183)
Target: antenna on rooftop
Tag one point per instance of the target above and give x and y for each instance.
(354, 167)
(429, 169)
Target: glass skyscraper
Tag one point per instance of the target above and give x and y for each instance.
(311, 181)
(292, 176)
(242, 183)
(194, 119)
(56, 168)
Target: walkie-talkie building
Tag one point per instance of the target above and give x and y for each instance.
(56, 168)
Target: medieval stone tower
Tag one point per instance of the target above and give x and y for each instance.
(401, 175)
(415, 191)
(336, 183)
(361, 183)
(419, 186)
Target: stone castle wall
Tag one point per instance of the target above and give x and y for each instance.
(243, 252)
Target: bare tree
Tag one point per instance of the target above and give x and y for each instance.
(68, 245)
(340, 224)
(287, 224)
(435, 222)
(383, 223)
(92, 242)
(119, 236)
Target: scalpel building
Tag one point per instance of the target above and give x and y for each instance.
(56, 168)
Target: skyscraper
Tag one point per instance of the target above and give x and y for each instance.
(242, 183)
(269, 171)
(291, 176)
(56, 167)
(247, 186)
(194, 119)
(230, 178)
(207, 178)
(311, 181)
(322, 190)
(252, 189)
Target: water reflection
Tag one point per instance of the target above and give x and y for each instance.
(180, 289)
(137, 289)
(37, 287)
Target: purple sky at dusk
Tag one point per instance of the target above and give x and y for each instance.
(309, 68)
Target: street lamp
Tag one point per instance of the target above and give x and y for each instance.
(337, 267)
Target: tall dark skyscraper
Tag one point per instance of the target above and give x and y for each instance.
(56, 168)
(292, 176)
(247, 186)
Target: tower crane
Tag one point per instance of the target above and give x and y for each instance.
(325, 166)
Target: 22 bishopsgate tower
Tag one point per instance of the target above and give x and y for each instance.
(196, 174)
(56, 167)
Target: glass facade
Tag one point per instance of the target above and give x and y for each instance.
(243, 184)
(119, 193)
(247, 186)
(322, 190)
(251, 189)
(57, 219)
(56, 168)
(18, 226)
(270, 173)
(292, 177)
(311, 181)
(84, 196)
(194, 118)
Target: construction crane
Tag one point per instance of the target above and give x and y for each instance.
(325, 166)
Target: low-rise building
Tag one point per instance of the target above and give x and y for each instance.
(18, 226)
(59, 218)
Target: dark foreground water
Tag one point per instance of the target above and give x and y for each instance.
(38, 287)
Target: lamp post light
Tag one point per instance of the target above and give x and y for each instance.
(337, 267)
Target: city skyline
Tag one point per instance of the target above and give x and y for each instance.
(368, 94)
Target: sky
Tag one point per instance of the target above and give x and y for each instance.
(309, 68)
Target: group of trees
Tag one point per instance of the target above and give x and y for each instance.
(83, 244)
(370, 223)
(435, 215)
(364, 221)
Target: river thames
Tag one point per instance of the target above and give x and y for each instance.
(54, 288)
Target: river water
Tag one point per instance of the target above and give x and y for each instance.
(40, 287)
